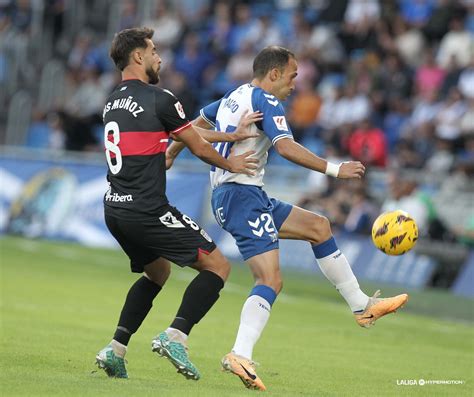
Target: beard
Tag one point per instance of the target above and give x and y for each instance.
(153, 77)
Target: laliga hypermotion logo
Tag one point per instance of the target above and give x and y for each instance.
(397, 240)
(382, 230)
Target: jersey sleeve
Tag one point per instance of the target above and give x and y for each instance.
(170, 112)
(209, 112)
(274, 123)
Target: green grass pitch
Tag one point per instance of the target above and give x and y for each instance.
(60, 303)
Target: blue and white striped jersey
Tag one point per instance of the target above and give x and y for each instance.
(225, 114)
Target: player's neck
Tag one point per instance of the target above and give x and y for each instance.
(263, 84)
(130, 73)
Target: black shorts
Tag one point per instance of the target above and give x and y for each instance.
(171, 235)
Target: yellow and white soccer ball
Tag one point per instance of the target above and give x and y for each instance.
(394, 233)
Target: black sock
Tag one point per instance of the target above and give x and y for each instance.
(136, 307)
(198, 298)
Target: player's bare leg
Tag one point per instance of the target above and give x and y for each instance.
(308, 226)
(254, 317)
(198, 299)
(136, 307)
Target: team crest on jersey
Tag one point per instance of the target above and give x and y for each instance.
(180, 110)
(280, 122)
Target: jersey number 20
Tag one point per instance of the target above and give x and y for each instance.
(112, 130)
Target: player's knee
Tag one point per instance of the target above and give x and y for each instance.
(223, 270)
(320, 229)
(273, 281)
(159, 276)
(214, 262)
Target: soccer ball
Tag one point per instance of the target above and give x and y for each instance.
(394, 233)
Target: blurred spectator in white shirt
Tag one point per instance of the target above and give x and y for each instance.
(166, 23)
(442, 159)
(239, 68)
(409, 42)
(448, 118)
(89, 97)
(466, 80)
(362, 12)
(457, 42)
(467, 120)
(326, 44)
(264, 33)
(425, 110)
(352, 107)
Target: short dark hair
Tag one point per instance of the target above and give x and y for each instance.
(269, 58)
(125, 42)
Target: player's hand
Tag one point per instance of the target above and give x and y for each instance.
(243, 131)
(351, 169)
(243, 163)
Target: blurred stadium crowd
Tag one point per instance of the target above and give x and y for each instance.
(390, 83)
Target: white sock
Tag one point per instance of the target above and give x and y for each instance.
(176, 335)
(118, 348)
(337, 270)
(254, 317)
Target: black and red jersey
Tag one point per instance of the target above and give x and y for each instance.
(138, 119)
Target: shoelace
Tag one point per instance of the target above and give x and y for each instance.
(377, 294)
(254, 364)
(181, 352)
(375, 297)
(182, 347)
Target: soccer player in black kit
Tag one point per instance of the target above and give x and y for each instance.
(139, 119)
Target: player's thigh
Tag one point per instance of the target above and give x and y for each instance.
(305, 225)
(158, 271)
(246, 213)
(184, 242)
(214, 262)
(265, 268)
(131, 237)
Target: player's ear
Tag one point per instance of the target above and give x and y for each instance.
(137, 56)
(274, 74)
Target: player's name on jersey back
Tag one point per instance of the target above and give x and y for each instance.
(126, 103)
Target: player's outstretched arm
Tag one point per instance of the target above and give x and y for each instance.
(201, 148)
(298, 154)
(242, 132)
(204, 129)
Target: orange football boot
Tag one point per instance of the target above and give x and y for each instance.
(379, 307)
(244, 369)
